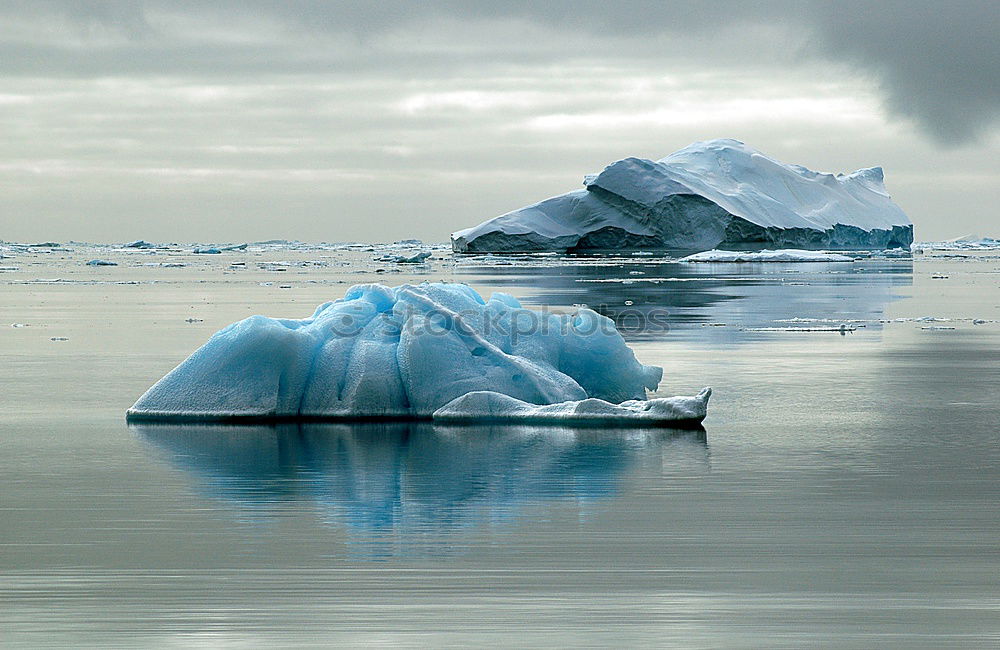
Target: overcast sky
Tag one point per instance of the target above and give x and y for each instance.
(187, 120)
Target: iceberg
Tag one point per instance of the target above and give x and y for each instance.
(714, 194)
(415, 351)
(785, 255)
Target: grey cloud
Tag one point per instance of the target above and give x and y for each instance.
(938, 64)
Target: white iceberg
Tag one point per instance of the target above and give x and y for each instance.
(784, 255)
(719, 193)
(406, 352)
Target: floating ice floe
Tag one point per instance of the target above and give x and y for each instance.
(99, 262)
(966, 243)
(490, 405)
(207, 250)
(415, 258)
(784, 255)
(719, 192)
(842, 329)
(411, 351)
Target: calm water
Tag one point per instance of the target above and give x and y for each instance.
(843, 492)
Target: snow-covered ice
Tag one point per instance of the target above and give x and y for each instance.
(490, 405)
(785, 255)
(709, 194)
(407, 352)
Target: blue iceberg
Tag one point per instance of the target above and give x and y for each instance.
(409, 352)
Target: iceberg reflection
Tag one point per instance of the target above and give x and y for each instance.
(414, 478)
(633, 293)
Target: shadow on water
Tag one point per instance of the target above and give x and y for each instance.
(640, 295)
(390, 484)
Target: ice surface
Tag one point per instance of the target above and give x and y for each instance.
(786, 255)
(406, 352)
(719, 192)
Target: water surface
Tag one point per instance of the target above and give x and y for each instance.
(843, 492)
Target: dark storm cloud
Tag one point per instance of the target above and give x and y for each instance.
(937, 63)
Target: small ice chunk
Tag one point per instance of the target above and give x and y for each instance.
(416, 258)
(99, 262)
(207, 250)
